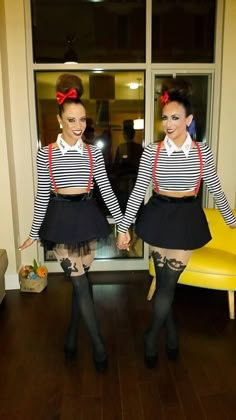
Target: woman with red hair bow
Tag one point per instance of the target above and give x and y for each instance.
(66, 216)
(173, 222)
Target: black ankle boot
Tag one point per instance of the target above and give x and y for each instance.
(70, 354)
(150, 360)
(101, 366)
(172, 353)
(70, 345)
(100, 363)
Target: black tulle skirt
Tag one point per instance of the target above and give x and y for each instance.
(173, 223)
(74, 222)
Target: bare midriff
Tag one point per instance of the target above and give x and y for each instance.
(178, 194)
(72, 190)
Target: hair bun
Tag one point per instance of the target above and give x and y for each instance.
(67, 81)
(177, 87)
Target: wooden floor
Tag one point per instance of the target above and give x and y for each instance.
(36, 383)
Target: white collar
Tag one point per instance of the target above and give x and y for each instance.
(171, 146)
(64, 147)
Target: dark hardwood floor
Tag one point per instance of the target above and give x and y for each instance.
(36, 383)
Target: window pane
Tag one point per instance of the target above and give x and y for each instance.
(88, 32)
(183, 31)
(112, 109)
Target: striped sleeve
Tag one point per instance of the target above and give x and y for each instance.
(213, 184)
(137, 195)
(43, 194)
(101, 178)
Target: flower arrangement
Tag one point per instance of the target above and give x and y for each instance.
(33, 272)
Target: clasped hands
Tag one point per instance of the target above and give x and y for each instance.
(123, 240)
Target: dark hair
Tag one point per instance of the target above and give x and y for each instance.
(128, 129)
(179, 91)
(64, 83)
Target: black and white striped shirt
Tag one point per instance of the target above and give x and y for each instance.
(176, 173)
(70, 170)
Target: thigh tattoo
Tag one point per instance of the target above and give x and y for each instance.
(67, 267)
(159, 260)
(175, 264)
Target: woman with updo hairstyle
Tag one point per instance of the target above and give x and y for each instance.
(64, 84)
(66, 216)
(173, 222)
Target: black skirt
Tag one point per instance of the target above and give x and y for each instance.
(173, 223)
(73, 221)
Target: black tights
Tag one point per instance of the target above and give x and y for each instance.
(168, 271)
(82, 305)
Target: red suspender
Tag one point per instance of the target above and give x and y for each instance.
(91, 167)
(201, 167)
(50, 167)
(155, 167)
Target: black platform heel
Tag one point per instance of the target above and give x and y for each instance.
(151, 360)
(172, 353)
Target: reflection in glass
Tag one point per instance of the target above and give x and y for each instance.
(88, 31)
(183, 31)
(126, 164)
(111, 108)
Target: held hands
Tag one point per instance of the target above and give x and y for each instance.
(27, 243)
(123, 240)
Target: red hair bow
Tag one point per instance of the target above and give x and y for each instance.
(61, 97)
(164, 98)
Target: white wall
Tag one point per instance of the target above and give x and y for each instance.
(6, 211)
(17, 188)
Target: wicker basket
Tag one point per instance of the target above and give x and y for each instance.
(34, 285)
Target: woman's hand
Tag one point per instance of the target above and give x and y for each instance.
(233, 226)
(27, 243)
(123, 240)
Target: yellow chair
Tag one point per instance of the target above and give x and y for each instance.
(214, 265)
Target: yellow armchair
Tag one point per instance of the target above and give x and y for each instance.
(214, 265)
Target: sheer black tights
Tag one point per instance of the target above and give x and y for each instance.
(168, 267)
(82, 305)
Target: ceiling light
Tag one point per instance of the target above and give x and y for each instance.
(133, 85)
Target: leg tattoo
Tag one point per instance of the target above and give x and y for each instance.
(159, 260)
(67, 267)
(175, 264)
